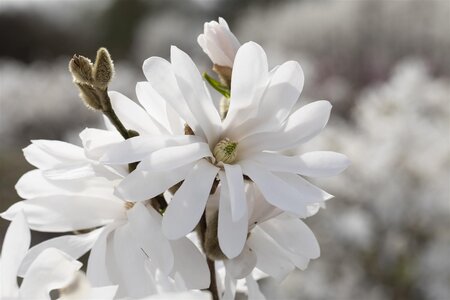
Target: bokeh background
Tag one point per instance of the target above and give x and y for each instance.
(384, 65)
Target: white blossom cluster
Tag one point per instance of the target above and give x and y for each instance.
(136, 193)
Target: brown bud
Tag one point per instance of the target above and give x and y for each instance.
(89, 96)
(81, 69)
(211, 241)
(103, 68)
(224, 74)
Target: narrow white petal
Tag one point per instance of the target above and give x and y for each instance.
(97, 141)
(188, 203)
(15, 246)
(232, 235)
(143, 185)
(51, 270)
(145, 225)
(194, 91)
(235, 182)
(132, 115)
(254, 293)
(242, 265)
(73, 245)
(47, 154)
(69, 172)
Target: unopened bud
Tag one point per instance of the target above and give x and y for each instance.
(89, 96)
(81, 69)
(225, 151)
(224, 74)
(103, 68)
(211, 241)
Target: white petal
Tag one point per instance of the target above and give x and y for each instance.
(68, 213)
(137, 148)
(302, 125)
(51, 270)
(250, 75)
(242, 265)
(143, 185)
(254, 293)
(313, 164)
(97, 141)
(235, 182)
(231, 235)
(188, 203)
(230, 288)
(145, 225)
(174, 157)
(73, 245)
(46, 154)
(132, 115)
(160, 74)
(270, 257)
(15, 246)
(69, 172)
(293, 235)
(194, 91)
(190, 264)
(275, 190)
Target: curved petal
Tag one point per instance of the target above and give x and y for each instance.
(145, 225)
(194, 91)
(47, 154)
(97, 141)
(312, 164)
(235, 183)
(15, 246)
(188, 203)
(302, 125)
(143, 185)
(73, 245)
(242, 265)
(232, 235)
(254, 293)
(132, 115)
(51, 270)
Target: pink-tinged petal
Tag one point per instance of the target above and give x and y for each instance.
(174, 157)
(312, 164)
(97, 141)
(69, 212)
(302, 125)
(137, 148)
(73, 245)
(235, 183)
(47, 154)
(144, 185)
(274, 189)
(145, 225)
(158, 108)
(97, 272)
(242, 265)
(188, 203)
(250, 75)
(132, 115)
(293, 235)
(194, 91)
(15, 246)
(160, 74)
(232, 235)
(271, 258)
(51, 270)
(190, 264)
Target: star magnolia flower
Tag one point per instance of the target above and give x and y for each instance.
(128, 248)
(219, 43)
(259, 122)
(51, 269)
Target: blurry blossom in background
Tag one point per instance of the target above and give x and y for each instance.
(383, 65)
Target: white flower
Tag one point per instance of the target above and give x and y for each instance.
(261, 120)
(219, 43)
(51, 269)
(129, 238)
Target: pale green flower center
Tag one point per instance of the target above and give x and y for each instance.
(225, 151)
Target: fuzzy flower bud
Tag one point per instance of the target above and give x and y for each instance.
(81, 69)
(103, 68)
(89, 96)
(225, 151)
(219, 43)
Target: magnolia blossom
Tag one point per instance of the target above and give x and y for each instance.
(260, 121)
(219, 43)
(128, 248)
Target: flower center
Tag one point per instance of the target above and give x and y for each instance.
(225, 151)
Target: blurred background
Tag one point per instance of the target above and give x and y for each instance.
(384, 65)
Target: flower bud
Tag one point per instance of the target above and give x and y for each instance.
(225, 151)
(219, 43)
(81, 69)
(89, 96)
(103, 68)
